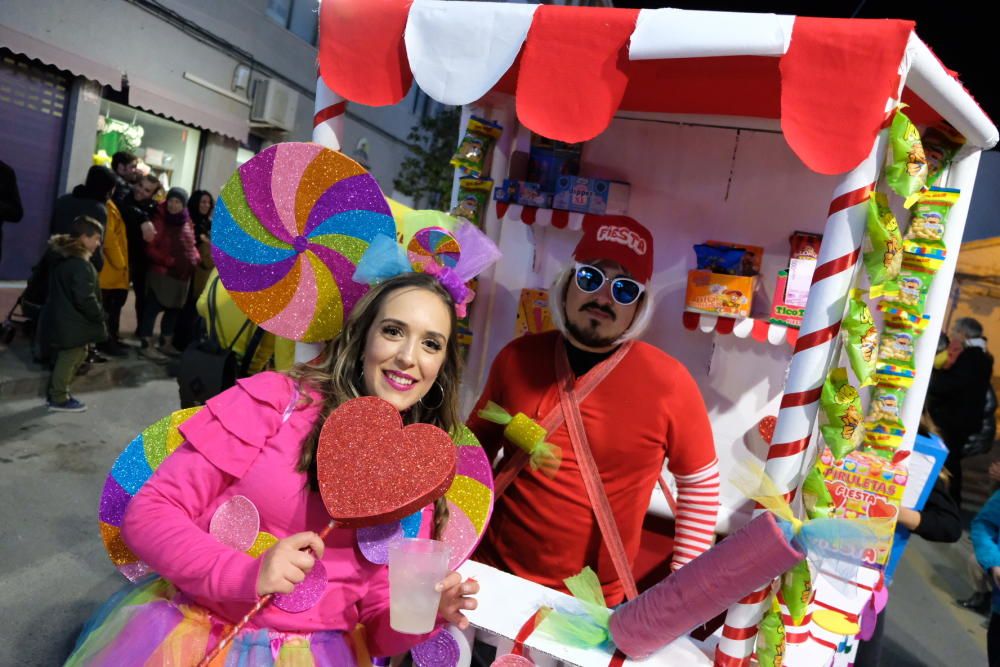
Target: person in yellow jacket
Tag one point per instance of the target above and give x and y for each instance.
(113, 279)
(272, 351)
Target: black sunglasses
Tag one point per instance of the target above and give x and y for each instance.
(624, 291)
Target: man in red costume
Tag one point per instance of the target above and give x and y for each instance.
(617, 407)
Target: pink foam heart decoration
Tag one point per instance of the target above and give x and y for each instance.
(236, 523)
(306, 593)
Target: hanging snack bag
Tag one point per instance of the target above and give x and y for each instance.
(841, 404)
(941, 143)
(473, 195)
(906, 164)
(895, 366)
(472, 153)
(925, 237)
(770, 647)
(815, 496)
(908, 292)
(884, 428)
(886, 405)
(796, 587)
(883, 245)
(861, 339)
(897, 316)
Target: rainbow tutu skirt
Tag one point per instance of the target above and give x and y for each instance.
(151, 623)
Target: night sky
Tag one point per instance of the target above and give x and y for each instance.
(963, 38)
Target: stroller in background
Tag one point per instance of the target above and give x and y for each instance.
(23, 317)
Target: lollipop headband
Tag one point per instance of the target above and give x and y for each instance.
(453, 259)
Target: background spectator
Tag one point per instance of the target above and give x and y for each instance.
(10, 199)
(172, 260)
(72, 317)
(956, 395)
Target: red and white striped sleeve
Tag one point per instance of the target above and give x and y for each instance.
(697, 509)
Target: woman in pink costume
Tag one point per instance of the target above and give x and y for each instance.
(258, 440)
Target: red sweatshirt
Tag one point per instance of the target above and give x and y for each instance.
(647, 410)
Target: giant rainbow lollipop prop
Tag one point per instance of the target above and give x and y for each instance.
(130, 471)
(289, 228)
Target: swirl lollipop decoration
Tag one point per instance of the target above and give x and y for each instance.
(289, 229)
(235, 523)
(433, 243)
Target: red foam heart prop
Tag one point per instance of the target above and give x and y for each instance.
(372, 470)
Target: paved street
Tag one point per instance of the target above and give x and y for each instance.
(53, 570)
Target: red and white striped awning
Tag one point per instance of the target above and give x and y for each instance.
(572, 68)
(761, 331)
(547, 217)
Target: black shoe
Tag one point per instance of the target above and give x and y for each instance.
(977, 602)
(94, 358)
(113, 348)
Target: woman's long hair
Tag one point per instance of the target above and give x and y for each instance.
(337, 376)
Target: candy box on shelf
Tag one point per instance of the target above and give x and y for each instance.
(591, 195)
(781, 311)
(801, 263)
(524, 193)
(865, 485)
(551, 159)
(719, 293)
(533, 315)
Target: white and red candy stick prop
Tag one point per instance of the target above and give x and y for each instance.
(328, 116)
(328, 127)
(814, 349)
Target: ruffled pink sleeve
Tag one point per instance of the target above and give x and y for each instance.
(222, 442)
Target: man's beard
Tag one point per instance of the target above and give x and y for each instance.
(588, 337)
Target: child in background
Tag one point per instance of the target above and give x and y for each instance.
(72, 317)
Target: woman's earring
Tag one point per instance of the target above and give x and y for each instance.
(440, 402)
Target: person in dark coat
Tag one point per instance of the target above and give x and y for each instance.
(199, 207)
(72, 317)
(173, 257)
(10, 199)
(137, 205)
(89, 200)
(956, 395)
(124, 165)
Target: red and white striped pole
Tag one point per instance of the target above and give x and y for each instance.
(790, 448)
(328, 116)
(328, 126)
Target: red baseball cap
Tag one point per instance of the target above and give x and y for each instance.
(620, 239)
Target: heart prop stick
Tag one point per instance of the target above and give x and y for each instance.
(371, 471)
